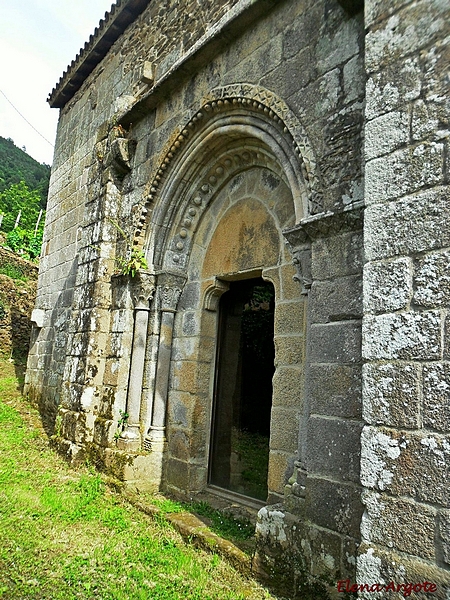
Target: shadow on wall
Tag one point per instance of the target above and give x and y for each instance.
(48, 356)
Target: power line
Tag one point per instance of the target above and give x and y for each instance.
(25, 119)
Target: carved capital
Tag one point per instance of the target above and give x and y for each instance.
(170, 286)
(142, 289)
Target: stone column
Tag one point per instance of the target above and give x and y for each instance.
(170, 286)
(142, 292)
(300, 247)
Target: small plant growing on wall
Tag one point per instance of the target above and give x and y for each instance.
(134, 260)
(121, 424)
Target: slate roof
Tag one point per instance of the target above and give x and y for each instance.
(122, 13)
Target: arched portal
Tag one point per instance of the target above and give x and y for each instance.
(217, 225)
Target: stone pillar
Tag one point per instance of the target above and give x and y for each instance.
(143, 290)
(170, 286)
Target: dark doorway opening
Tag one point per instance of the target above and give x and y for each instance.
(243, 389)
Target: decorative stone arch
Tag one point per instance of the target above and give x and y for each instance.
(240, 132)
(268, 112)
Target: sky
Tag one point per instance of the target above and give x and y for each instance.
(39, 39)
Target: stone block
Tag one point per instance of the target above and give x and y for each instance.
(284, 429)
(403, 172)
(408, 226)
(387, 285)
(391, 394)
(333, 448)
(336, 342)
(337, 300)
(444, 532)
(338, 45)
(335, 390)
(289, 351)
(405, 32)
(406, 463)
(436, 396)
(429, 119)
(376, 564)
(280, 469)
(399, 524)
(290, 288)
(335, 506)
(292, 74)
(289, 318)
(301, 33)
(432, 280)
(178, 444)
(287, 385)
(354, 79)
(403, 336)
(394, 86)
(386, 133)
(337, 256)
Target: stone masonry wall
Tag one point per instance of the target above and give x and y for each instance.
(307, 53)
(406, 443)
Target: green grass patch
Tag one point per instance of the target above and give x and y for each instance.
(12, 271)
(67, 536)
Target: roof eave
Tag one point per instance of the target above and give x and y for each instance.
(122, 14)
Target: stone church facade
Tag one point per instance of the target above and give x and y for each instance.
(283, 168)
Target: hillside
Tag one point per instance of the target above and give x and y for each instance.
(16, 165)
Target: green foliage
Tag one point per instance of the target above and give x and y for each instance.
(121, 423)
(222, 523)
(24, 242)
(12, 271)
(134, 259)
(18, 197)
(16, 166)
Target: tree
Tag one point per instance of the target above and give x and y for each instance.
(19, 197)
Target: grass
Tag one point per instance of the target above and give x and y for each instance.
(66, 535)
(12, 271)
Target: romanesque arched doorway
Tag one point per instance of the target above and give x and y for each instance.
(216, 227)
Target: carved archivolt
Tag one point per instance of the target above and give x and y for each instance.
(257, 101)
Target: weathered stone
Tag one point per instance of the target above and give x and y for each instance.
(337, 256)
(387, 285)
(436, 396)
(337, 300)
(333, 446)
(400, 524)
(432, 280)
(404, 463)
(397, 84)
(386, 133)
(404, 336)
(335, 506)
(407, 226)
(404, 171)
(391, 395)
(403, 33)
(335, 390)
(336, 342)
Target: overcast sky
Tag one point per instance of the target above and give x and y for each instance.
(39, 39)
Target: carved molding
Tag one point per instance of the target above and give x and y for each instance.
(326, 224)
(256, 100)
(213, 294)
(302, 262)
